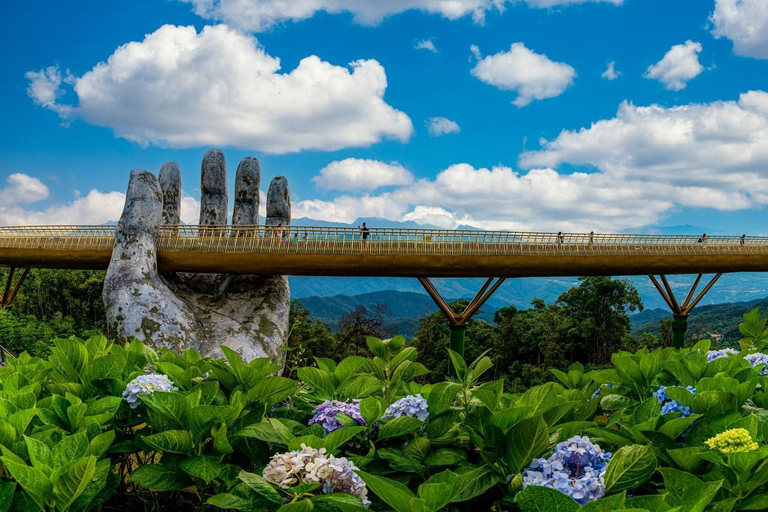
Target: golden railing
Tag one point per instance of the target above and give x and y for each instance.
(329, 240)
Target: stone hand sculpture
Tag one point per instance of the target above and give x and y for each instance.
(246, 313)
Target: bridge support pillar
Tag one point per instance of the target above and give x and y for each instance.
(457, 338)
(679, 326)
(680, 312)
(458, 321)
(6, 299)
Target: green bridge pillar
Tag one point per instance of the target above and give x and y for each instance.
(457, 338)
(679, 326)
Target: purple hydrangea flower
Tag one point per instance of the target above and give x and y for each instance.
(146, 385)
(325, 414)
(717, 354)
(668, 405)
(576, 468)
(758, 360)
(414, 406)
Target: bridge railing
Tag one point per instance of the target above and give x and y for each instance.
(332, 240)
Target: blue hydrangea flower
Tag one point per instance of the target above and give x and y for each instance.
(576, 468)
(669, 405)
(717, 354)
(758, 360)
(325, 414)
(598, 390)
(146, 385)
(414, 406)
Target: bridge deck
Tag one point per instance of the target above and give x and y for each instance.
(300, 250)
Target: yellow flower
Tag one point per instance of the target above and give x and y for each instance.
(735, 440)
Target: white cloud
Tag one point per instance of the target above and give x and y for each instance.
(745, 22)
(260, 15)
(426, 44)
(644, 163)
(21, 189)
(180, 88)
(679, 65)
(533, 76)
(359, 174)
(611, 73)
(442, 125)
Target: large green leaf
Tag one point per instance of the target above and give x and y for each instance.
(70, 449)
(39, 455)
(110, 366)
(101, 443)
(6, 495)
(400, 461)
(393, 493)
(229, 502)
(401, 426)
(220, 439)
(32, 480)
(340, 436)
(543, 499)
(161, 477)
(73, 481)
(171, 441)
(172, 407)
(272, 390)
(320, 380)
(441, 397)
(629, 467)
(259, 485)
(525, 441)
(202, 466)
(370, 409)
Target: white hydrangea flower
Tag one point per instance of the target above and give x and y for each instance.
(146, 385)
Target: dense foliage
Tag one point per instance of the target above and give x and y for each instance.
(101, 425)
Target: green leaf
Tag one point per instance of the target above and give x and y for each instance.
(543, 499)
(359, 387)
(340, 436)
(39, 455)
(70, 449)
(525, 441)
(299, 506)
(161, 477)
(202, 466)
(220, 441)
(393, 493)
(171, 441)
(400, 461)
(398, 427)
(320, 380)
(441, 397)
(459, 365)
(609, 504)
(376, 346)
(272, 390)
(370, 410)
(265, 432)
(229, 502)
(32, 480)
(6, 495)
(72, 482)
(259, 485)
(629, 467)
(101, 443)
(446, 457)
(338, 502)
(172, 407)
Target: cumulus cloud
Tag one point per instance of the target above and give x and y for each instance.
(679, 65)
(181, 88)
(745, 22)
(359, 174)
(640, 165)
(260, 15)
(441, 125)
(611, 73)
(533, 76)
(426, 44)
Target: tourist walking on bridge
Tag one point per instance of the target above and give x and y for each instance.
(364, 232)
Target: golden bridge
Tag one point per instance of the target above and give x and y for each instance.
(420, 253)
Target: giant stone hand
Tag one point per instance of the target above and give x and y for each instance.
(246, 313)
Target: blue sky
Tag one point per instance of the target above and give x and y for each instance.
(530, 131)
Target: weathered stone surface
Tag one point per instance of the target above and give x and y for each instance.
(246, 313)
(247, 182)
(170, 183)
(213, 189)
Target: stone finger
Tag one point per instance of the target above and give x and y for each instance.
(247, 182)
(279, 202)
(213, 189)
(170, 183)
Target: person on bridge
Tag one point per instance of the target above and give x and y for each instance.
(591, 238)
(741, 240)
(560, 238)
(364, 232)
